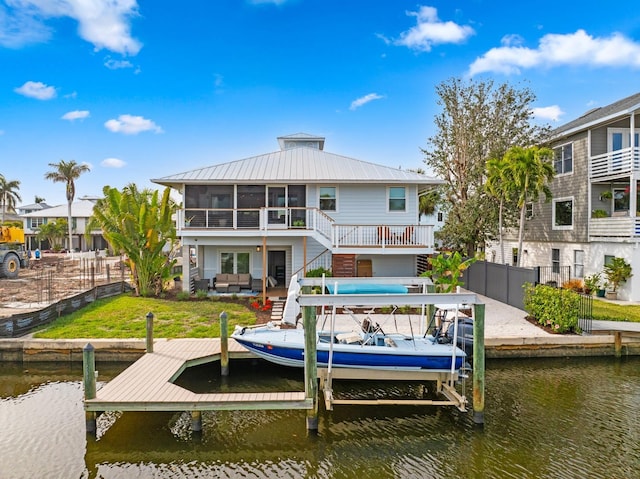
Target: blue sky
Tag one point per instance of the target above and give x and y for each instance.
(148, 88)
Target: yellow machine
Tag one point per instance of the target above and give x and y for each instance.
(12, 252)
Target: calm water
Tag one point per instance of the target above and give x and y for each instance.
(575, 418)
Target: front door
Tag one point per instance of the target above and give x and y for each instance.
(277, 266)
(277, 203)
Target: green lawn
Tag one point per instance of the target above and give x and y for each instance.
(124, 316)
(615, 311)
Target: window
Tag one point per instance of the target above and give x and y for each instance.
(35, 223)
(555, 260)
(328, 198)
(528, 211)
(397, 198)
(514, 256)
(234, 263)
(621, 199)
(578, 263)
(563, 214)
(563, 161)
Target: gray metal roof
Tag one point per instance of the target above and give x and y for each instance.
(297, 165)
(600, 115)
(79, 209)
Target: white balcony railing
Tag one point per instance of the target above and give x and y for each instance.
(310, 221)
(621, 227)
(614, 163)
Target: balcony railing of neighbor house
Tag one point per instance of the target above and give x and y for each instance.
(309, 219)
(614, 163)
(614, 227)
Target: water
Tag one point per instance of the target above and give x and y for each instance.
(555, 418)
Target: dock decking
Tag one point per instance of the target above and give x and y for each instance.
(147, 385)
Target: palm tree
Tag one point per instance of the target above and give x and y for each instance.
(9, 195)
(428, 202)
(498, 186)
(530, 172)
(67, 172)
(140, 225)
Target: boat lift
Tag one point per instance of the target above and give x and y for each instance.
(445, 380)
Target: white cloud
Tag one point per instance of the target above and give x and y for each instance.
(364, 100)
(105, 24)
(577, 48)
(430, 30)
(112, 64)
(36, 89)
(552, 112)
(131, 125)
(112, 163)
(76, 115)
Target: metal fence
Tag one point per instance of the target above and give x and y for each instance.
(505, 283)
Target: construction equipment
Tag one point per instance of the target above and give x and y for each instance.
(13, 255)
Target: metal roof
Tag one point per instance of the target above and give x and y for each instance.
(600, 115)
(79, 209)
(297, 165)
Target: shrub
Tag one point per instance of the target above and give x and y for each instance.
(318, 272)
(201, 294)
(574, 285)
(556, 308)
(182, 295)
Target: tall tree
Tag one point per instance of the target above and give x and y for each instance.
(67, 172)
(139, 224)
(531, 170)
(477, 121)
(39, 199)
(499, 186)
(9, 195)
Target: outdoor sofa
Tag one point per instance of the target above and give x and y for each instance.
(232, 283)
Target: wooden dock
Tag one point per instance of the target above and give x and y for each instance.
(147, 385)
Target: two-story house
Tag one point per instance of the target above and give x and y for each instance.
(81, 211)
(595, 212)
(297, 209)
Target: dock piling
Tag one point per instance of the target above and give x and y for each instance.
(310, 365)
(617, 343)
(478, 364)
(149, 332)
(89, 380)
(196, 421)
(224, 344)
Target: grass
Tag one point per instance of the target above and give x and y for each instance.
(124, 316)
(605, 310)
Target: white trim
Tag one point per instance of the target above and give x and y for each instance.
(573, 163)
(335, 197)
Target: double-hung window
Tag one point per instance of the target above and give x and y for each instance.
(397, 198)
(328, 198)
(563, 160)
(234, 263)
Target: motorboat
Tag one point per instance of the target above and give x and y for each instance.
(370, 347)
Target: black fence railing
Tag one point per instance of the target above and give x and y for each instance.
(555, 276)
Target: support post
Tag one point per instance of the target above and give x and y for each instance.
(478, 364)
(89, 379)
(310, 364)
(617, 342)
(224, 344)
(196, 421)
(149, 332)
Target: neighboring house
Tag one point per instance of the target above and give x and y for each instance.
(300, 208)
(23, 210)
(595, 212)
(81, 211)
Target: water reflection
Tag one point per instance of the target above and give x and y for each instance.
(544, 418)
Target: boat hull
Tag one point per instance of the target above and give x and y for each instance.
(385, 352)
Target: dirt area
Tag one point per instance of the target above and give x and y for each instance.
(54, 277)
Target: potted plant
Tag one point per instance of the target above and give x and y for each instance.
(607, 195)
(599, 214)
(593, 284)
(298, 223)
(617, 272)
